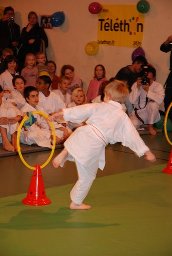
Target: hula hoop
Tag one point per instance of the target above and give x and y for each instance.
(18, 140)
(165, 124)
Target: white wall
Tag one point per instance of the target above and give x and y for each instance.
(66, 43)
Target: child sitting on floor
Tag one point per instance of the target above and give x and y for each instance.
(9, 118)
(106, 122)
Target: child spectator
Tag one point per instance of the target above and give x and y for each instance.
(5, 52)
(78, 98)
(52, 72)
(95, 83)
(69, 71)
(30, 71)
(51, 103)
(106, 122)
(41, 64)
(62, 92)
(38, 133)
(9, 118)
(10, 71)
(18, 92)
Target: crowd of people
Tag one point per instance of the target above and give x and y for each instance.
(28, 82)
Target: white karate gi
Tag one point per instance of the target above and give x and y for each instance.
(7, 109)
(106, 123)
(147, 111)
(65, 98)
(6, 80)
(18, 99)
(38, 133)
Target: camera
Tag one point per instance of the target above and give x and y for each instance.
(145, 80)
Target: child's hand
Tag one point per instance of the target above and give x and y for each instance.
(150, 156)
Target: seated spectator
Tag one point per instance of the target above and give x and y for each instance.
(17, 95)
(50, 103)
(41, 64)
(52, 72)
(9, 118)
(69, 71)
(95, 83)
(10, 71)
(146, 96)
(78, 97)
(37, 133)
(63, 93)
(30, 71)
(129, 74)
(5, 52)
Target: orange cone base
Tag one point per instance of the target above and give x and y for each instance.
(167, 170)
(36, 202)
(36, 195)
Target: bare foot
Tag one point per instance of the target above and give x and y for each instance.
(74, 206)
(152, 130)
(59, 159)
(150, 156)
(8, 147)
(14, 142)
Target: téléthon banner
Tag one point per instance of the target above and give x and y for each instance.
(120, 25)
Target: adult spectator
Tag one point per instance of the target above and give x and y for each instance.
(167, 47)
(129, 74)
(33, 38)
(146, 96)
(9, 31)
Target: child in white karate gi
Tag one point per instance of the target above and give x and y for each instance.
(106, 122)
(9, 118)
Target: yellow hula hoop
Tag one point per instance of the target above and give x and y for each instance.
(53, 134)
(165, 124)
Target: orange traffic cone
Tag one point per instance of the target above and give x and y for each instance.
(168, 168)
(36, 194)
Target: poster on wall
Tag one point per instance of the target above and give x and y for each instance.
(46, 22)
(120, 25)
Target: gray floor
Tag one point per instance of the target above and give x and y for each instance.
(15, 177)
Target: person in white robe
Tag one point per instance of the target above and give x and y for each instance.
(9, 118)
(10, 71)
(106, 122)
(146, 100)
(51, 103)
(38, 133)
(62, 92)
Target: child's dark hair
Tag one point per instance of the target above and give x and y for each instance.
(7, 9)
(52, 62)
(28, 90)
(103, 68)
(46, 79)
(140, 59)
(63, 69)
(16, 77)
(9, 59)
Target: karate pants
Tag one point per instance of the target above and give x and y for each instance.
(86, 176)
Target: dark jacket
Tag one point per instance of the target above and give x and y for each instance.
(167, 48)
(9, 32)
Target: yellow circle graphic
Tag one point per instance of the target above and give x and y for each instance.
(53, 134)
(165, 123)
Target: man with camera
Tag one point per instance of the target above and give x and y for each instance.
(167, 47)
(9, 31)
(146, 96)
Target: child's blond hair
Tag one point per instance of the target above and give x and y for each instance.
(117, 91)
